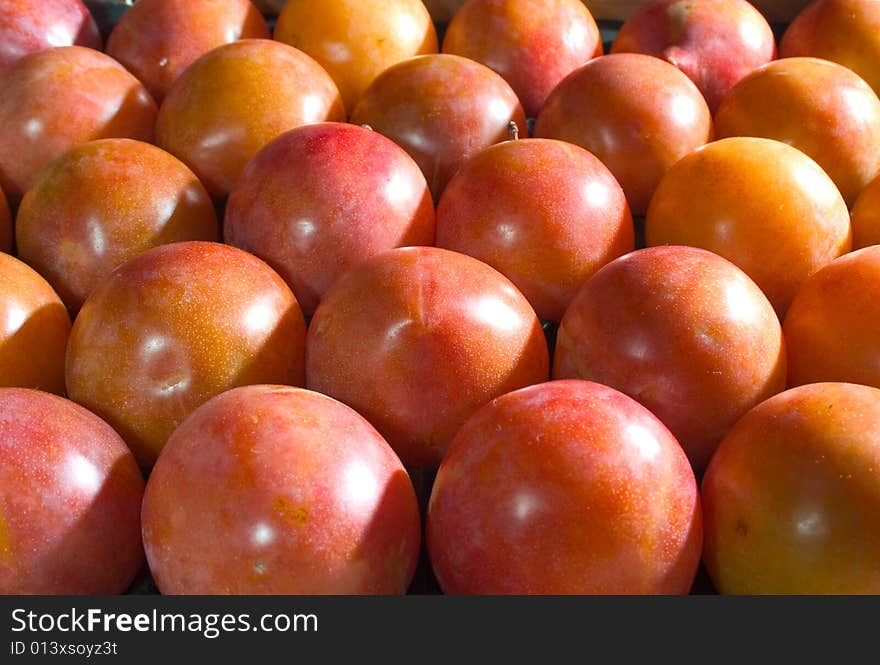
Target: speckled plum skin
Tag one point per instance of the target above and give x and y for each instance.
(843, 31)
(533, 45)
(547, 214)
(865, 217)
(103, 203)
(684, 332)
(156, 39)
(34, 329)
(442, 109)
(792, 497)
(636, 113)
(715, 42)
(418, 338)
(58, 98)
(29, 26)
(759, 203)
(816, 106)
(235, 99)
(568, 487)
(175, 326)
(833, 324)
(7, 225)
(356, 40)
(321, 199)
(275, 490)
(70, 499)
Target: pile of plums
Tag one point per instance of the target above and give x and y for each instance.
(291, 304)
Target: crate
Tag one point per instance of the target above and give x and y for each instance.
(776, 11)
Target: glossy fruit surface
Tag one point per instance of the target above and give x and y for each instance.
(442, 109)
(684, 332)
(843, 31)
(636, 113)
(833, 324)
(715, 42)
(156, 39)
(320, 199)
(820, 108)
(175, 326)
(547, 214)
(416, 339)
(29, 26)
(533, 45)
(234, 100)
(92, 97)
(70, 499)
(356, 40)
(568, 487)
(759, 203)
(792, 497)
(34, 329)
(277, 490)
(103, 203)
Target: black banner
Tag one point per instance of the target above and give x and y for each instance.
(133, 629)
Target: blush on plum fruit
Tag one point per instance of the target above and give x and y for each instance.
(34, 329)
(533, 45)
(322, 198)
(418, 338)
(759, 203)
(816, 106)
(156, 39)
(715, 42)
(70, 499)
(30, 26)
(865, 216)
(175, 326)
(636, 113)
(58, 98)
(843, 31)
(792, 497)
(684, 332)
(234, 100)
(547, 214)
(276, 490)
(356, 40)
(833, 325)
(568, 487)
(103, 203)
(442, 109)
